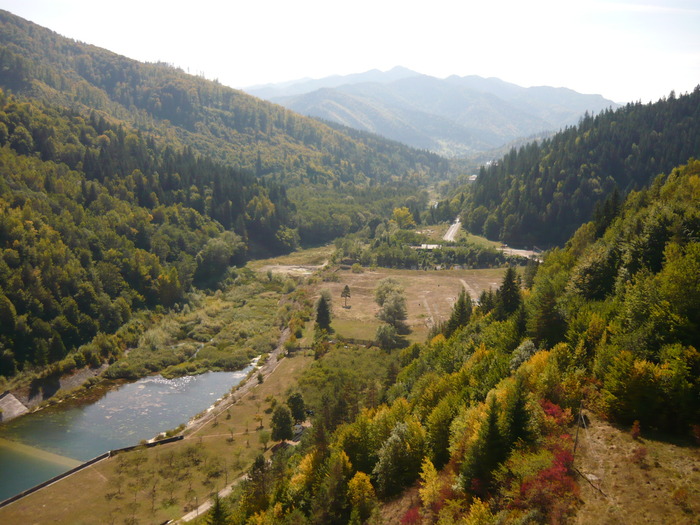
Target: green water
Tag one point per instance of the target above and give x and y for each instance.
(38, 446)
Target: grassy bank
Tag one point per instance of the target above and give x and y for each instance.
(155, 485)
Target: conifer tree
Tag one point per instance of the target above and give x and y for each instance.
(544, 323)
(323, 313)
(218, 515)
(461, 313)
(485, 455)
(345, 294)
(508, 295)
(516, 419)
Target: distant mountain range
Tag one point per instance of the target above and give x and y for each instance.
(455, 116)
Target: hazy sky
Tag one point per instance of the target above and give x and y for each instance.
(625, 50)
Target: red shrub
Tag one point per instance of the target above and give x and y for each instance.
(639, 456)
(412, 517)
(553, 491)
(636, 430)
(560, 416)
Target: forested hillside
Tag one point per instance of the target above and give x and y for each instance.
(227, 125)
(481, 415)
(125, 184)
(97, 220)
(221, 122)
(541, 193)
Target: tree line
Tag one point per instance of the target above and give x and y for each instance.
(541, 193)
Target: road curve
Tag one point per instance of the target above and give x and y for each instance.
(452, 231)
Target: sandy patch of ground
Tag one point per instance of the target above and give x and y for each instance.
(295, 270)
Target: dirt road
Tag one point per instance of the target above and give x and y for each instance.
(265, 370)
(452, 231)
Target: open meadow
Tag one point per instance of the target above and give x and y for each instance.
(430, 296)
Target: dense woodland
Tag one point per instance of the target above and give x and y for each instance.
(481, 418)
(541, 193)
(97, 221)
(125, 184)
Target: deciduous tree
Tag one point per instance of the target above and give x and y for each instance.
(281, 423)
(295, 402)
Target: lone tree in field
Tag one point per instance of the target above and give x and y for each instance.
(385, 288)
(281, 423)
(323, 312)
(345, 294)
(393, 312)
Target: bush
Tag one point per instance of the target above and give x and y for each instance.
(553, 490)
(386, 336)
(639, 456)
(635, 431)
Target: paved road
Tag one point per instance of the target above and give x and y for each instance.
(204, 507)
(452, 231)
(530, 254)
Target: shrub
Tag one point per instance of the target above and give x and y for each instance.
(412, 517)
(635, 431)
(553, 490)
(680, 496)
(559, 417)
(638, 456)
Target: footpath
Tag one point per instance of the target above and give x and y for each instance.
(244, 390)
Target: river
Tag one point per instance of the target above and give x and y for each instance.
(38, 446)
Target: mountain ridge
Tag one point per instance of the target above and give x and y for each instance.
(224, 123)
(455, 116)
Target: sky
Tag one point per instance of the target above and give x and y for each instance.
(627, 51)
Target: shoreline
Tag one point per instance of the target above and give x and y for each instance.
(242, 389)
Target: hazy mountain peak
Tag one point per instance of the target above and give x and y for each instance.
(307, 85)
(453, 116)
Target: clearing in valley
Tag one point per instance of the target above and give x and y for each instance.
(429, 297)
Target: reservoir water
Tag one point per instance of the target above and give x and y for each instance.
(38, 446)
